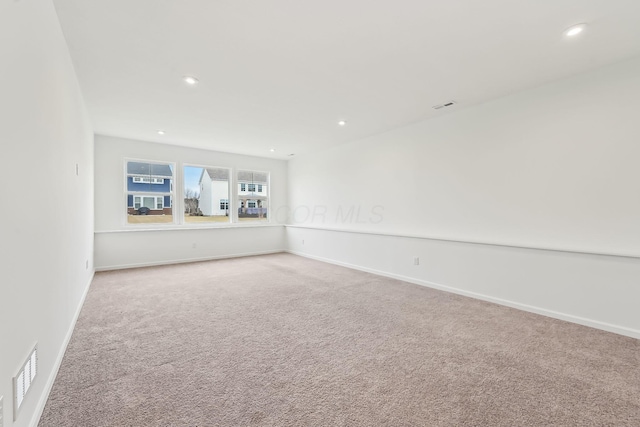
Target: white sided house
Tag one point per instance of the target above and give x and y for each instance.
(252, 194)
(214, 192)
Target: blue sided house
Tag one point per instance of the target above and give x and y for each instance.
(149, 187)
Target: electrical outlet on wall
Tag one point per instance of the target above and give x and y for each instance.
(416, 260)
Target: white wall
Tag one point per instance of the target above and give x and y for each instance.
(47, 211)
(593, 290)
(219, 191)
(119, 245)
(555, 167)
(205, 201)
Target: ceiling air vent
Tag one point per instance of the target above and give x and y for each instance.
(445, 105)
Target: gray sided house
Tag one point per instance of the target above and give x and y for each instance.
(214, 192)
(149, 186)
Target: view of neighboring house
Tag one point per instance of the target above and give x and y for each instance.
(214, 192)
(252, 194)
(149, 186)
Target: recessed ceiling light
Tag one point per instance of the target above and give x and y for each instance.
(342, 123)
(161, 132)
(190, 80)
(273, 150)
(574, 30)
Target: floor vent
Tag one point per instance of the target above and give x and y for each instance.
(23, 380)
(445, 105)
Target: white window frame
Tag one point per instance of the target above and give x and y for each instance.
(232, 219)
(176, 195)
(172, 194)
(265, 203)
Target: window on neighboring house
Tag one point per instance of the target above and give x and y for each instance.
(253, 207)
(205, 189)
(151, 202)
(148, 180)
(149, 190)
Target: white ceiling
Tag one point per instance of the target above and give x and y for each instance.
(281, 73)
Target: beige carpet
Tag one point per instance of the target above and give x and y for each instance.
(281, 340)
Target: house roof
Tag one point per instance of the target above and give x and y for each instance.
(149, 169)
(252, 177)
(217, 174)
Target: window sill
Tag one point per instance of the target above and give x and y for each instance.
(186, 227)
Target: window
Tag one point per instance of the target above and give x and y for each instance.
(151, 202)
(206, 194)
(149, 190)
(148, 180)
(253, 207)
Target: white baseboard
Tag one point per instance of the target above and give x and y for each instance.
(621, 330)
(56, 367)
(186, 260)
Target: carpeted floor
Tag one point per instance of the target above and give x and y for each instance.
(281, 340)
